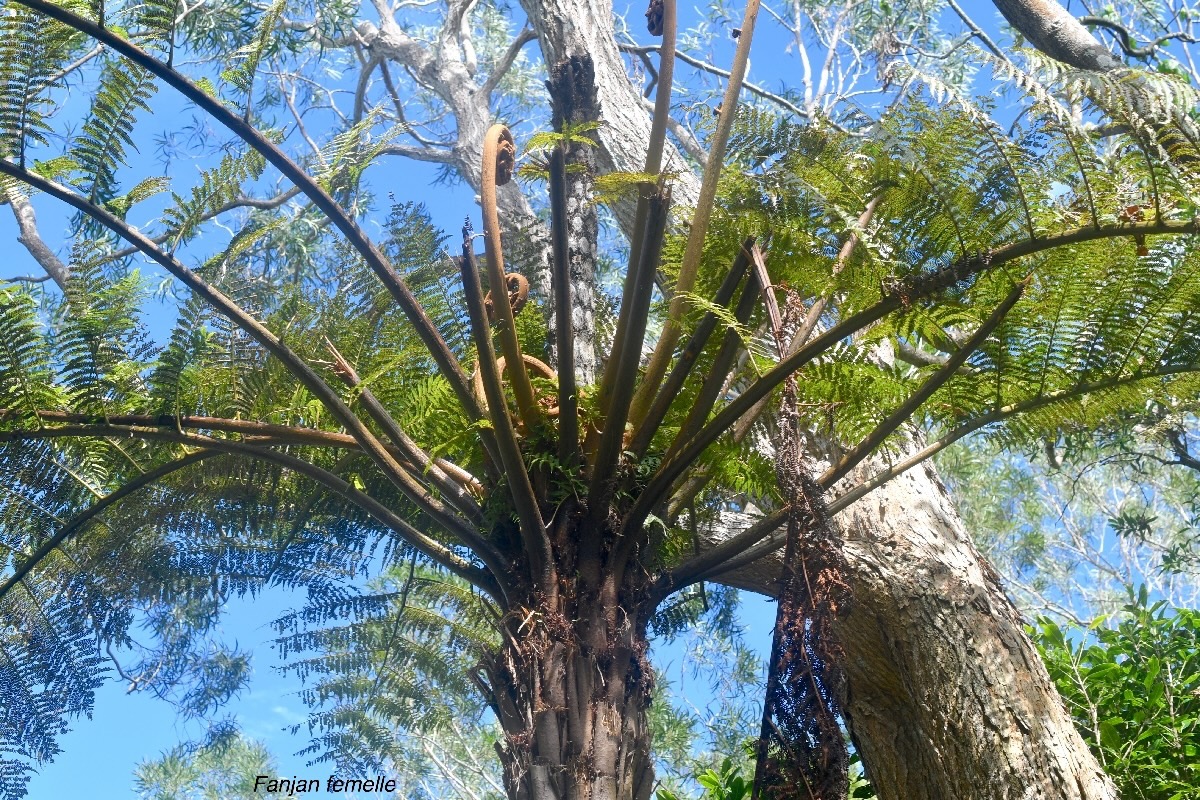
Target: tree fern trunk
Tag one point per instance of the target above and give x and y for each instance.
(572, 697)
(947, 696)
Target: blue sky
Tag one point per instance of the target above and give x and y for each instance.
(99, 755)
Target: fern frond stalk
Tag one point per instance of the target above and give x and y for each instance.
(910, 290)
(497, 145)
(525, 501)
(689, 269)
(387, 464)
(378, 264)
(418, 459)
(905, 410)
(426, 545)
(687, 359)
(564, 325)
(81, 520)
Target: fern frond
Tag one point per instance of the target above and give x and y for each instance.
(102, 146)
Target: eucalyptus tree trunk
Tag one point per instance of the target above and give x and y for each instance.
(947, 697)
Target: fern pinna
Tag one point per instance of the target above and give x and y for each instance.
(377, 406)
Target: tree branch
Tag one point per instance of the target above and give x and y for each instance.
(268, 340)
(1050, 28)
(506, 61)
(1125, 38)
(690, 571)
(426, 330)
(935, 381)
(429, 547)
(621, 373)
(564, 330)
(1179, 447)
(22, 210)
(498, 147)
(712, 69)
(911, 289)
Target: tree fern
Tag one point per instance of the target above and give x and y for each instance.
(102, 146)
(218, 187)
(100, 342)
(32, 51)
(26, 373)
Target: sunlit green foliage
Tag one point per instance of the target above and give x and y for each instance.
(1100, 331)
(1134, 692)
(222, 770)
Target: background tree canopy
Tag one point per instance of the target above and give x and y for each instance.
(740, 331)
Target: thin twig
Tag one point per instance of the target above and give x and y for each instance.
(712, 69)
(376, 261)
(506, 61)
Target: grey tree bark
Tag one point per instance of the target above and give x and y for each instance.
(947, 698)
(947, 695)
(1050, 28)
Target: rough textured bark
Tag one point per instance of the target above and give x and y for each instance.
(573, 97)
(571, 27)
(571, 690)
(947, 696)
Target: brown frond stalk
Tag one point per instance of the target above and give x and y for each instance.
(376, 261)
(80, 520)
(270, 342)
(499, 161)
(905, 292)
(529, 516)
(710, 389)
(624, 363)
(420, 541)
(662, 20)
(564, 331)
(688, 270)
(418, 459)
(687, 359)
